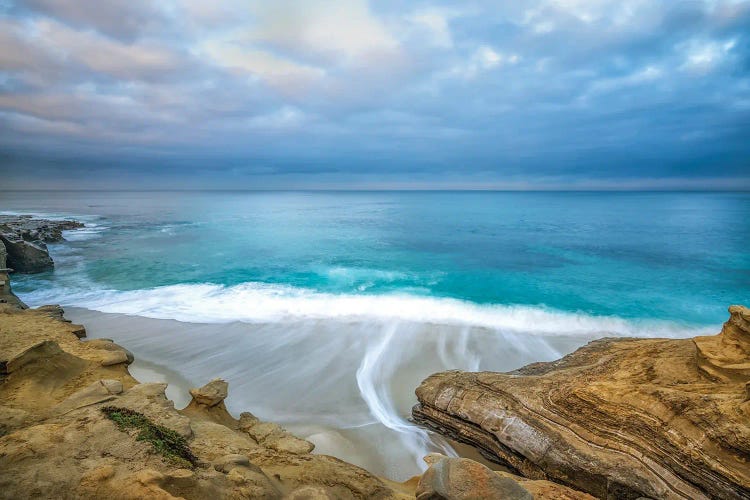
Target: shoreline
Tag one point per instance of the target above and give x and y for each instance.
(333, 413)
(178, 388)
(79, 452)
(344, 386)
(24, 361)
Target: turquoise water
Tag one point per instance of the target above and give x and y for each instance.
(325, 310)
(680, 257)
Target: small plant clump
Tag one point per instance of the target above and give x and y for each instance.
(165, 441)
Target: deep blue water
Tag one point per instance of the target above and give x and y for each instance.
(667, 256)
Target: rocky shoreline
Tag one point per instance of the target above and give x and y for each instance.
(57, 442)
(618, 418)
(75, 424)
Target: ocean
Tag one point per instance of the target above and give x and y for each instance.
(324, 310)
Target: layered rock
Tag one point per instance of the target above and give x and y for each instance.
(619, 418)
(465, 479)
(25, 239)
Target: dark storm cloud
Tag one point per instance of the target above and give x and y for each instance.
(548, 93)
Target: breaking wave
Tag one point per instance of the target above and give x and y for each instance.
(263, 303)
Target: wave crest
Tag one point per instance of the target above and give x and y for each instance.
(263, 303)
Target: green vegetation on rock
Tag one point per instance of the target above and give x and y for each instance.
(165, 441)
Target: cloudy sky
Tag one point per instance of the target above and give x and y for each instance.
(539, 94)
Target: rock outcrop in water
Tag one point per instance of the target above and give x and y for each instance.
(25, 239)
(618, 418)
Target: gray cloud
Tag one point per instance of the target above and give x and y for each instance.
(120, 19)
(248, 94)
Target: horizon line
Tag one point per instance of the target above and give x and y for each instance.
(354, 190)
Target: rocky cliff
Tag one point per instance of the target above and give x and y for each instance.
(619, 418)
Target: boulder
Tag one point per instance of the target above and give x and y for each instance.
(111, 353)
(210, 394)
(54, 311)
(273, 436)
(26, 256)
(618, 418)
(247, 421)
(115, 358)
(263, 431)
(289, 443)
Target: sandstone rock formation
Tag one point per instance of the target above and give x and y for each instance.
(211, 394)
(73, 424)
(619, 418)
(24, 239)
(26, 256)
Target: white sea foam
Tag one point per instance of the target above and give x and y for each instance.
(90, 231)
(263, 303)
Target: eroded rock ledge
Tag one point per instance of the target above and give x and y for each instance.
(618, 418)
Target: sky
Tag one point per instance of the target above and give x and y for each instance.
(350, 94)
